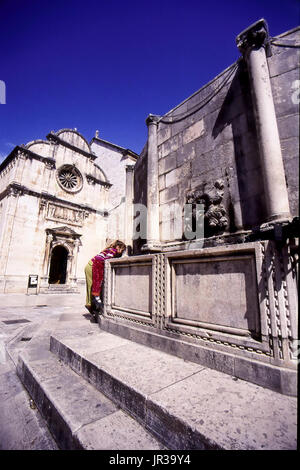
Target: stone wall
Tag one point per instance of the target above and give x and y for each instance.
(212, 138)
(284, 72)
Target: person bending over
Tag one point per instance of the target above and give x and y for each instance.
(94, 273)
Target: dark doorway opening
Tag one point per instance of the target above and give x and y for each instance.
(58, 265)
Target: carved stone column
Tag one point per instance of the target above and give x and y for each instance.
(152, 186)
(129, 205)
(252, 42)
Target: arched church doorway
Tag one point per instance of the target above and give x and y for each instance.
(58, 265)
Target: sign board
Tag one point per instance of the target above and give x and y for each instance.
(33, 280)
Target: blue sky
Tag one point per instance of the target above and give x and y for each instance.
(107, 64)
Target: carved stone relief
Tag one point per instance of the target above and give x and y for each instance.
(215, 216)
(61, 213)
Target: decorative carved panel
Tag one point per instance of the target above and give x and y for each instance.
(60, 213)
(218, 293)
(238, 300)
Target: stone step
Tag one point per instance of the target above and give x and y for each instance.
(78, 415)
(57, 289)
(185, 405)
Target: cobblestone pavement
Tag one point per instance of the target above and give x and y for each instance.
(21, 425)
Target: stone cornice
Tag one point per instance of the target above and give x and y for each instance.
(19, 149)
(63, 230)
(92, 180)
(15, 189)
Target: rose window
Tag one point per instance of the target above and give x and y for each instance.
(69, 178)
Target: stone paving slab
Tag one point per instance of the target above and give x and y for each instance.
(117, 431)
(79, 339)
(186, 405)
(22, 427)
(238, 414)
(78, 415)
(53, 300)
(140, 367)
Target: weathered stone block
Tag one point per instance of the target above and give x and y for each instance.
(168, 194)
(206, 178)
(161, 182)
(166, 212)
(282, 63)
(177, 127)
(133, 287)
(167, 164)
(171, 145)
(220, 129)
(159, 152)
(163, 133)
(185, 153)
(203, 163)
(288, 126)
(167, 230)
(204, 144)
(290, 148)
(193, 132)
(283, 89)
(220, 157)
(184, 173)
(172, 177)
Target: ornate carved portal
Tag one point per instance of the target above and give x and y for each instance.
(60, 260)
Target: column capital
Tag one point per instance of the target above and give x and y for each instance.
(129, 168)
(256, 35)
(152, 119)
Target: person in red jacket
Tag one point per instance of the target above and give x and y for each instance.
(94, 273)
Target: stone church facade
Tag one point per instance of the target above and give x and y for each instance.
(56, 208)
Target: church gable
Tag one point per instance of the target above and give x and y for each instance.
(73, 138)
(40, 147)
(73, 172)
